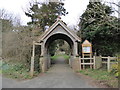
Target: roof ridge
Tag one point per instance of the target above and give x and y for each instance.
(64, 26)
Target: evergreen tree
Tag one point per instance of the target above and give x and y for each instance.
(45, 14)
(98, 26)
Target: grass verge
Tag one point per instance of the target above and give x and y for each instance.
(16, 71)
(102, 76)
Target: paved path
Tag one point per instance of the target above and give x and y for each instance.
(59, 75)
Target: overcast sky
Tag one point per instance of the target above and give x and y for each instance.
(74, 7)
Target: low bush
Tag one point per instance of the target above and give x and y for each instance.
(115, 67)
(16, 71)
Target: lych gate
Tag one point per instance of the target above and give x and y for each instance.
(57, 31)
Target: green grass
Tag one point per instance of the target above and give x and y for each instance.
(102, 76)
(66, 57)
(15, 71)
(54, 57)
(61, 55)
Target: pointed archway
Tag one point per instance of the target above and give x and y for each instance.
(57, 31)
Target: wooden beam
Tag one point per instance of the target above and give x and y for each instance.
(104, 62)
(104, 57)
(94, 62)
(90, 61)
(33, 51)
(37, 43)
(113, 58)
(32, 67)
(87, 63)
(86, 58)
(32, 61)
(83, 64)
(108, 64)
(80, 62)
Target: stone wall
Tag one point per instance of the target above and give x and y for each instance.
(76, 64)
(43, 64)
(98, 62)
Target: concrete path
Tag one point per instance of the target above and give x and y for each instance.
(59, 75)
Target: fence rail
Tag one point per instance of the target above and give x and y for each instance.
(92, 62)
(87, 63)
(83, 63)
(108, 62)
(86, 58)
(109, 57)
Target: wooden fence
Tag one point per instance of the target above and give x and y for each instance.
(109, 61)
(90, 62)
(97, 61)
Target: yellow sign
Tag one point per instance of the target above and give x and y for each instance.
(86, 47)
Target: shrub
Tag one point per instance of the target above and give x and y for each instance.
(115, 67)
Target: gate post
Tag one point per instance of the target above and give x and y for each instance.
(32, 61)
(80, 62)
(94, 61)
(108, 64)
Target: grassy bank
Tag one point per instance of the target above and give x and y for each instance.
(19, 70)
(102, 76)
(16, 70)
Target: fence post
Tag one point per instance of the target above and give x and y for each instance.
(83, 64)
(80, 61)
(94, 61)
(91, 61)
(108, 64)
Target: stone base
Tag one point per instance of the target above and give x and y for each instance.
(49, 62)
(76, 64)
(71, 59)
(98, 62)
(43, 64)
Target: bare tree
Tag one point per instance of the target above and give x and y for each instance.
(5, 15)
(14, 19)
